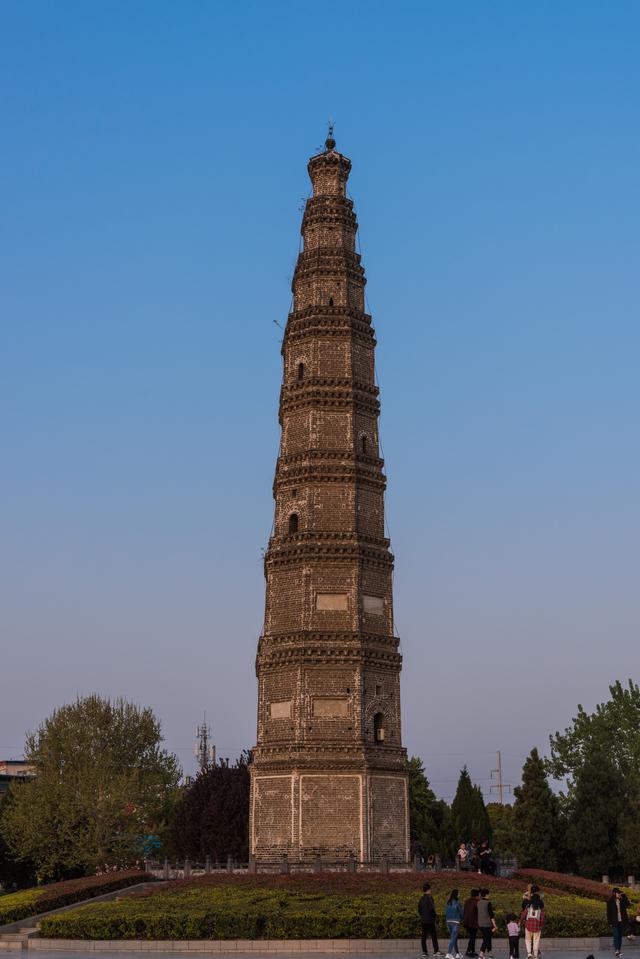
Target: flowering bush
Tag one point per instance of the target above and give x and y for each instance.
(31, 902)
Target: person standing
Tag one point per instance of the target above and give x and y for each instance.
(617, 916)
(453, 917)
(470, 922)
(533, 922)
(486, 923)
(462, 857)
(487, 865)
(513, 931)
(526, 896)
(428, 919)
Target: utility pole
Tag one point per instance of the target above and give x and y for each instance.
(500, 785)
(205, 749)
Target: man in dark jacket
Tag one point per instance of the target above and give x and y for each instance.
(617, 917)
(428, 918)
(470, 922)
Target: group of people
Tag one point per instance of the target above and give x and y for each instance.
(479, 858)
(477, 916)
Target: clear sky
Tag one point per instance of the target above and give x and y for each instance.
(152, 168)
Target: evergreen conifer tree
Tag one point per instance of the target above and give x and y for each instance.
(469, 817)
(536, 817)
(596, 802)
(423, 810)
(503, 827)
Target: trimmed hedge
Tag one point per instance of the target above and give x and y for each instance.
(30, 902)
(216, 911)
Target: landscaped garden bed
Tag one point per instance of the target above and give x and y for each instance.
(589, 888)
(314, 906)
(31, 902)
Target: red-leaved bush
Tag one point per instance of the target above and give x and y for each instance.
(74, 890)
(559, 880)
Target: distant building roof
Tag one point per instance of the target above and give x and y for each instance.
(13, 770)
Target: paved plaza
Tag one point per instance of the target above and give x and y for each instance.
(499, 953)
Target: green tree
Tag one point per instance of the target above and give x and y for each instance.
(469, 818)
(102, 782)
(447, 839)
(595, 804)
(602, 748)
(614, 728)
(212, 816)
(425, 811)
(502, 828)
(536, 816)
(20, 873)
(629, 831)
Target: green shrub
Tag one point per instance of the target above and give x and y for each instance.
(30, 902)
(189, 911)
(17, 905)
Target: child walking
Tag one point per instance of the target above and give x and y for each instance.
(513, 931)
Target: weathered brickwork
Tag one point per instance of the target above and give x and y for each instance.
(328, 775)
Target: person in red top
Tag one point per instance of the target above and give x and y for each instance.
(533, 917)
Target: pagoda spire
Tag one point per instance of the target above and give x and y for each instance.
(330, 143)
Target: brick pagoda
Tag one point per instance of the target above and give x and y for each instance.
(328, 775)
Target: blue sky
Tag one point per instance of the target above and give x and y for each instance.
(152, 169)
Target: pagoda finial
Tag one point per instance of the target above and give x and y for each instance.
(330, 142)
